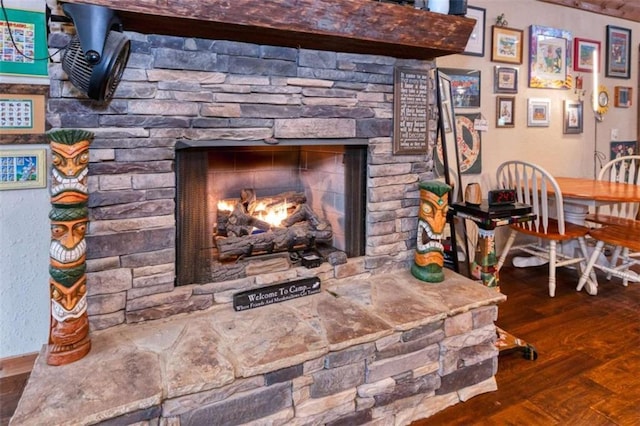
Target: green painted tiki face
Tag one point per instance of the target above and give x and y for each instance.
(432, 218)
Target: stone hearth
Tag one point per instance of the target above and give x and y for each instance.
(385, 350)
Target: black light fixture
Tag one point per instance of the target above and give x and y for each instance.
(97, 55)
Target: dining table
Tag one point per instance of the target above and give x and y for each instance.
(580, 195)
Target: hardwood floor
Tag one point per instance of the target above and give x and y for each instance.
(588, 356)
(587, 367)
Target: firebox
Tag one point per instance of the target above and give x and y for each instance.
(237, 200)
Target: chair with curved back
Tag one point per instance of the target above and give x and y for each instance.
(622, 169)
(537, 187)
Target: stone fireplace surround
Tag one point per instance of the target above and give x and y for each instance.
(405, 350)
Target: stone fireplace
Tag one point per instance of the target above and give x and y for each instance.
(376, 346)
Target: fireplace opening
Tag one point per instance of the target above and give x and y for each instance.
(320, 190)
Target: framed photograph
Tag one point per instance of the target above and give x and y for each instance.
(22, 169)
(538, 112)
(465, 86)
(622, 149)
(505, 79)
(506, 45)
(549, 57)
(622, 96)
(505, 111)
(573, 117)
(583, 51)
(475, 45)
(618, 52)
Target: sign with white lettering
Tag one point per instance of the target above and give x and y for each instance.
(411, 111)
(275, 293)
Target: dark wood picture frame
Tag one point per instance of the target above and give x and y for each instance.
(622, 96)
(505, 111)
(411, 111)
(618, 56)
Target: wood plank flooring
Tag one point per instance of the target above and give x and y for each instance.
(587, 371)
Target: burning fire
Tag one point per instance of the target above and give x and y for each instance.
(273, 215)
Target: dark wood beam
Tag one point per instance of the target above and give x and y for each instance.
(356, 26)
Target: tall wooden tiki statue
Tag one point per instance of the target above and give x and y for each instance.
(432, 219)
(69, 329)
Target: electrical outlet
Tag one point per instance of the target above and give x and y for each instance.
(614, 134)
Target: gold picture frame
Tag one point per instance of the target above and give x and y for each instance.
(23, 169)
(506, 45)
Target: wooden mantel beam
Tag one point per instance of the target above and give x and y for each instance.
(356, 26)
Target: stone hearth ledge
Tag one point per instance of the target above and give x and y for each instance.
(166, 369)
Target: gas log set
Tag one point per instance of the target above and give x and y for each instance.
(281, 223)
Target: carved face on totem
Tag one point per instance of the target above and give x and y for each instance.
(432, 218)
(69, 173)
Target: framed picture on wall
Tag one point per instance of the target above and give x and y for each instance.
(549, 57)
(622, 149)
(618, 57)
(22, 169)
(622, 96)
(465, 86)
(583, 55)
(505, 79)
(538, 112)
(573, 117)
(475, 45)
(506, 45)
(505, 111)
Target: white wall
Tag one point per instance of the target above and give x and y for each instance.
(563, 155)
(24, 256)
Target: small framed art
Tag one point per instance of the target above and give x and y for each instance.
(573, 111)
(549, 57)
(465, 86)
(538, 112)
(583, 55)
(505, 79)
(506, 45)
(622, 96)
(618, 57)
(475, 45)
(505, 111)
(22, 169)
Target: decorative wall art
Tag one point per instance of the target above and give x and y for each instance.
(573, 113)
(622, 149)
(583, 50)
(506, 45)
(549, 57)
(538, 112)
(24, 44)
(465, 85)
(21, 113)
(618, 52)
(22, 169)
(505, 79)
(475, 45)
(410, 103)
(505, 111)
(469, 146)
(622, 96)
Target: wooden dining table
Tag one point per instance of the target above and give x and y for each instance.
(581, 194)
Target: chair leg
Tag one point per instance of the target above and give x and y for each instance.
(505, 250)
(584, 278)
(614, 259)
(585, 256)
(626, 260)
(552, 267)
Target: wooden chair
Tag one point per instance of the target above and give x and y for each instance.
(536, 187)
(627, 237)
(621, 169)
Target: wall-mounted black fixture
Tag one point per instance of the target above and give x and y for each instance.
(98, 53)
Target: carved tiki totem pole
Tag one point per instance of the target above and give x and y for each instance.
(69, 330)
(432, 218)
